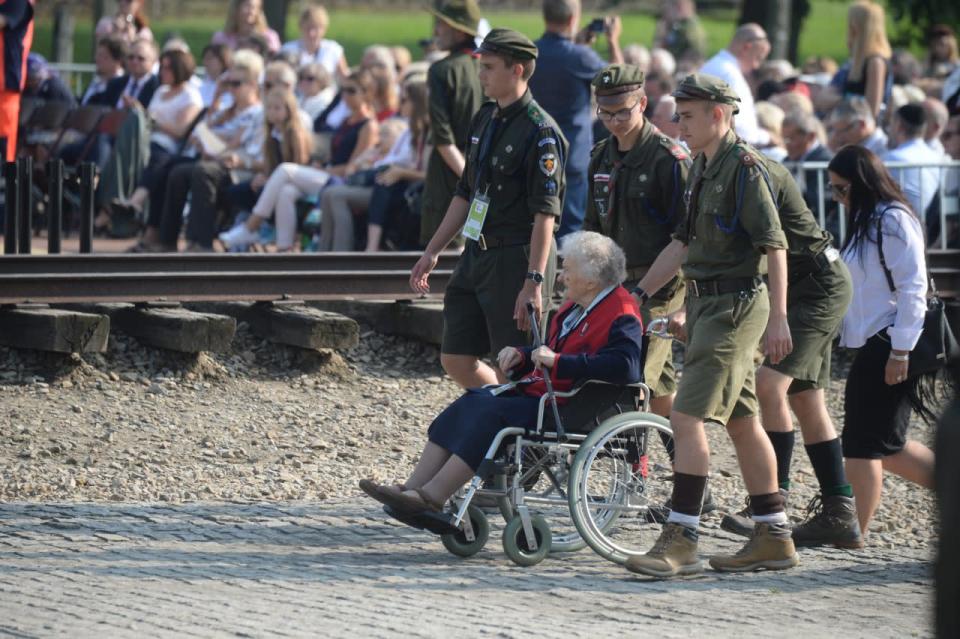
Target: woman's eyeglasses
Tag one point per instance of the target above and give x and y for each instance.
(308, 78)
(351, 90)
(233, 84)
(139, 58)
(623, 115)
(840, 190)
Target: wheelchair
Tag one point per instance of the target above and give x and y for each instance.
(596, 481)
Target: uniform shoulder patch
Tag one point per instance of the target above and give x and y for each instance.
(599, 147)
(674, 148)
(748, 156)
(535, 114)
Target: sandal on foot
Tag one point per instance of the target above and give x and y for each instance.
(438, 523)
(377, 491)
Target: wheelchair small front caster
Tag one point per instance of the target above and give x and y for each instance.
(458, 543)
(515, 541)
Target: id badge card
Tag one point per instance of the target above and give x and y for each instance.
(475, 217)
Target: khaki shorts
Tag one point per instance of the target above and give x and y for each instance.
(479, 300)
(816, 305)
(659, 372)
(719, 373)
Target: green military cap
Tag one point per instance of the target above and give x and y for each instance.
(709, 88)
(618, 78)
(463, 15)
(510, 43)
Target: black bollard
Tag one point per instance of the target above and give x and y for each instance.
(55, 208)
(87, 191)
(12, 212)
(26, 206)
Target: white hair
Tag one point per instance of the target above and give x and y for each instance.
(597, 256)
(664, 61)
(637, 55)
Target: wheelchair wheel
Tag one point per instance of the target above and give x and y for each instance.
(515, 541)
(620, 472)
(458, 545)
(545, 485)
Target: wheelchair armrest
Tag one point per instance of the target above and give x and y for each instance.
(579, 386)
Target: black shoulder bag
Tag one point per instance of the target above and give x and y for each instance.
(937, 344)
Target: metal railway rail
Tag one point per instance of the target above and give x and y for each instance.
(215, 262)
(256, 277)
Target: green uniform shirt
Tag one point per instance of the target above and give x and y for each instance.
(636, 198)
(521, 169)
(731, 215)
(804, 236)
(455, 96)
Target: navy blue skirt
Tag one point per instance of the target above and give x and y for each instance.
(469, 425)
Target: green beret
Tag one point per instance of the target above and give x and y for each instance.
(509, 43)
(618, 78)
(462, 15)
(708, 88)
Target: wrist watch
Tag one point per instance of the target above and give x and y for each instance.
(642, 294)
(535, 276)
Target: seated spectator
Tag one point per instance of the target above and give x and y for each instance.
(943, 57)
(338, 111)
(139, 82)
(382, 196)
(770, 119)
(229, 141)
(919, 186)
(313, 47)
(905, 67)
(44, 83)
(852, 122)
(172, 110)
(596, 334)
(290, 182)
(245, 21)
(315, 90)
(402, 59)
(377, 55)
(109, 57)
(129, 23)
(216, 60)
(385, 100)
(637, 55)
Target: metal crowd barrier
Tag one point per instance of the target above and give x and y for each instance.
(948, 190)
(19, 205)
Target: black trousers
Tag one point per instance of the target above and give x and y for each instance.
(203, 181)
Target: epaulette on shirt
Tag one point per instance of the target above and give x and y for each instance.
(598, 146)
(535, 114)
(674, 148)
(747, 157)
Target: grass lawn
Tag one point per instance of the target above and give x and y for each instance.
(824, 31)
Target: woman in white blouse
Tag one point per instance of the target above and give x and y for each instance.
(884, 325)
(314, 47)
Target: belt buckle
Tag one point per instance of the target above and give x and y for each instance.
(482, 242)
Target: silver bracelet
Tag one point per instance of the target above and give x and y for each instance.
(899, 358)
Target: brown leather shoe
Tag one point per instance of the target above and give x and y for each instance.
(674, 553)
(770, 548)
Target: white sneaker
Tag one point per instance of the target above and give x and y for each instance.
(239, 235)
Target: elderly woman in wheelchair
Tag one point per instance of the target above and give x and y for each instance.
(595, 335)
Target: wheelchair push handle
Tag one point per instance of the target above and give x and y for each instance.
(660, 327)
(535, 328)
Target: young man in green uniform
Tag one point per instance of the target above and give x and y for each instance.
(636, 180)
(729, 237)
(455, 96)
(818, 294)
(506, 205)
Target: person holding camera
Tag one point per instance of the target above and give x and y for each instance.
(561, 85)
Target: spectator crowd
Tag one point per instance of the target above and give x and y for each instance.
(292, 146)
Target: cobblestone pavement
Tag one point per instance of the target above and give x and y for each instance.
(341, 569)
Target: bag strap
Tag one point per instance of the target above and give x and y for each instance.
(883, 261)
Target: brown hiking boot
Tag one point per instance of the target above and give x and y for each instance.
(770, 548)
(675, 553)
(741, 523)
(830, 521)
